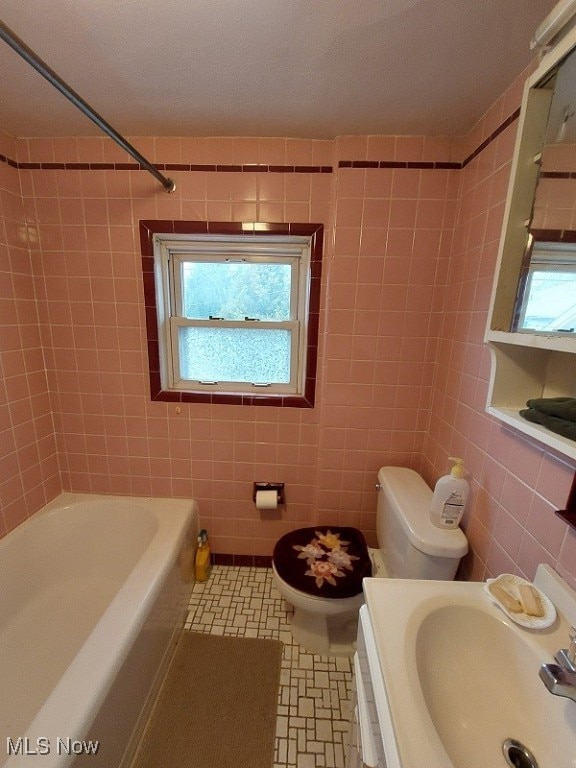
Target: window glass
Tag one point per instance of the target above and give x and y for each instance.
(236, 290)
(250, 355)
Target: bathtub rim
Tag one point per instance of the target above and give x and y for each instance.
(100, 658)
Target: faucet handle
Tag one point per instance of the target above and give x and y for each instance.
(566, 657)
(571, 651)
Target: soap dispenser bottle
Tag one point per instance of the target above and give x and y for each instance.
(203, 560)
(450, 497)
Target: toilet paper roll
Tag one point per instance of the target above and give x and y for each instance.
(266, 499)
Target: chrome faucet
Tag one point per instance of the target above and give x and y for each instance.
(560, 678)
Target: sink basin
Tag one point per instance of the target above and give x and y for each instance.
(461, 679)
(483, 688)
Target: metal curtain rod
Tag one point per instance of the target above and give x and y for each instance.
(47, 72)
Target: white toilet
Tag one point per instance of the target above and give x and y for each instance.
(319, 570)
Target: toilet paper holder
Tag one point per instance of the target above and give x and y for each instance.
(278, 487)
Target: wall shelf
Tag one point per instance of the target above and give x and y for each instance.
(559, 343)
(527, 366)
(512, 418)
(531, 369)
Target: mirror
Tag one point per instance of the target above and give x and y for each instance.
(546, 296)
(555, 197)
(546, 300)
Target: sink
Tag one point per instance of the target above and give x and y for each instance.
(484, 688)
(461, 679)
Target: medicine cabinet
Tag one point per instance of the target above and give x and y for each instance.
(537, 358)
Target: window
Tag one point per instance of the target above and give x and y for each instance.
(548, 301)
(236, 312)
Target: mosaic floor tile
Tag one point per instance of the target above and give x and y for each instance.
(312, 724)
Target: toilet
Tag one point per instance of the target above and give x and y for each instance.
(319, 570)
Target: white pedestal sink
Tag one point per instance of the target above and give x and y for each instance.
(460, 679)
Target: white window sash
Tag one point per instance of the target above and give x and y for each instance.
(176, 262)
(180, 383)
(172, 253)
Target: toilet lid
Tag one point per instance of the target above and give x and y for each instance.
(323, 561)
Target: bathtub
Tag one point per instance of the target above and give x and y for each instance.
(93, 595)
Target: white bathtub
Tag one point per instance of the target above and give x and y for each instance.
(93, 593)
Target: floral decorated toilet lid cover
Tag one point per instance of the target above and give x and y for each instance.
(324, 561)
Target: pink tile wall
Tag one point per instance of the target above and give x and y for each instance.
(29, 472)
(516, 485)
(392, 237)
(402, 371)
(111, 438)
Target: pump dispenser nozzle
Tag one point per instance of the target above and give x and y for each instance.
(458, 468)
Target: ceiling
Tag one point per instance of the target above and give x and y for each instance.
(299, 68)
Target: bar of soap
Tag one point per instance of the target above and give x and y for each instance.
(530, 600)
(509, 602)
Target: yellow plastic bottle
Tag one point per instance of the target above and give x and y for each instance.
(203, 562)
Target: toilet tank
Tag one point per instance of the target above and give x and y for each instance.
(410, 545)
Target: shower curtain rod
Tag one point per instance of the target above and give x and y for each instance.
(47, 72)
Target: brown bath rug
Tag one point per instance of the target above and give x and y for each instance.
(217, 705)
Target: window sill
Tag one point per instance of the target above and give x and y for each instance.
(223, 398)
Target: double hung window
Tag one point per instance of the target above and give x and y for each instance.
(233, 313)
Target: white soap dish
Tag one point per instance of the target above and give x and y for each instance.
(510, 583)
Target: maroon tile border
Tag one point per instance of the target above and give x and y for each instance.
(187, 167)
(430, 164)
(558, 174)
(554, 235)
(8, 161)
(502, 127)
(398, 164)
(266, 168)
(148, 228)
(251, 561)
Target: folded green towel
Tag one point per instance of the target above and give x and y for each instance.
(553, 423)
(562, 407)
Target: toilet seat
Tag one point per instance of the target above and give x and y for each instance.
(323, 561)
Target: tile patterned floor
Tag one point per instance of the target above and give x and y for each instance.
(314, 699)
